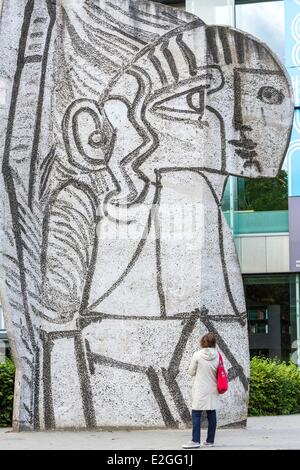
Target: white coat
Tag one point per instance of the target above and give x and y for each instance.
(203, 368)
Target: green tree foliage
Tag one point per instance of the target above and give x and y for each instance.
(274, 388)
(7, 377)
(266, 194)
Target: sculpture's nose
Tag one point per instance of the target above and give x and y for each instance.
(244, 143)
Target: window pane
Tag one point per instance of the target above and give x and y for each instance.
(265, 20)
(271, 311)
(212, 11)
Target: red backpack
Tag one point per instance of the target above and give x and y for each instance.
(222, 379)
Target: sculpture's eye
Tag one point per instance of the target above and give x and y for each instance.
(187, 106)
(269, 95)
(195, 101)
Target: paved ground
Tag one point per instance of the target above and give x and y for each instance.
(281, 432)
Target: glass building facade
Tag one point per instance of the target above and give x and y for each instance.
(257, 211)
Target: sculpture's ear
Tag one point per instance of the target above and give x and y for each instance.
(88, 135)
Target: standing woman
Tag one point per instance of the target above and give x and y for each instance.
(205, 395)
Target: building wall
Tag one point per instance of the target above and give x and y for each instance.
(263, 253)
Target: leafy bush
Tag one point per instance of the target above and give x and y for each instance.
(7, 377)
(274, 388)
(265, 194)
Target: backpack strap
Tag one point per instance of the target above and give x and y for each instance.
(220, 359)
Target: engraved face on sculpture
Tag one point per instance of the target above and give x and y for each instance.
(257, 113)
(262, 103)
(225, 115)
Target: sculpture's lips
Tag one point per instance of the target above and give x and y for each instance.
(245, 153)
(248, 144)
(252, 163)
(244, 148)
(244, 142)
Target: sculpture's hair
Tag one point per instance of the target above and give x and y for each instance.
(229, 46)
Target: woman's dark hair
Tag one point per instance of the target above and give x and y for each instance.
(208, 341)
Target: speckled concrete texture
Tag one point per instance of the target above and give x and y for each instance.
(122, 121)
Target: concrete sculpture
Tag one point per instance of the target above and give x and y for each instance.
(121, 123)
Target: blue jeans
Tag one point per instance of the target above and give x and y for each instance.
(212, 425)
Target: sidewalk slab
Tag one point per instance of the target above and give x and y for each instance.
(275, 432)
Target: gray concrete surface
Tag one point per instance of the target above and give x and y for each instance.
(280, 432)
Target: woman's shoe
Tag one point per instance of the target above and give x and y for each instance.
(207, 444)
(191, 445)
